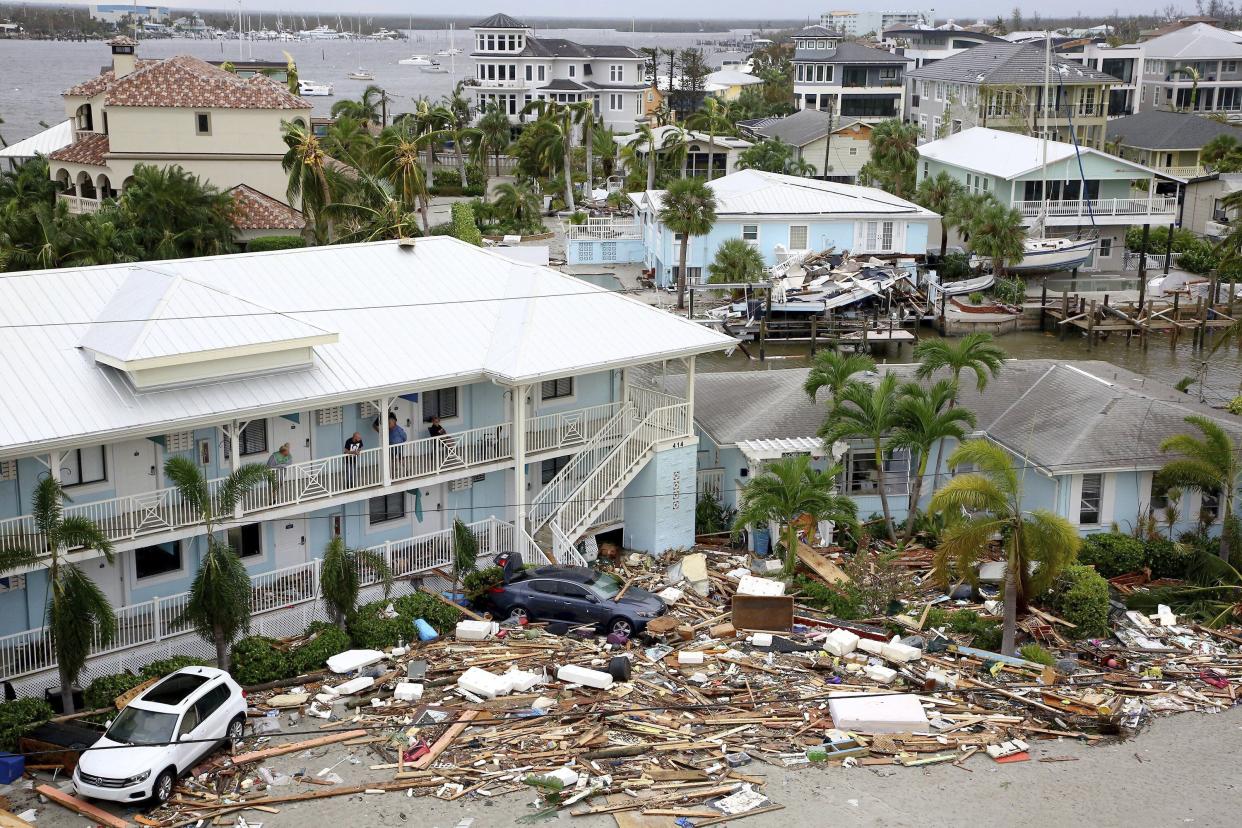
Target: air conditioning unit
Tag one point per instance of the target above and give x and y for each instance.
(332, 416)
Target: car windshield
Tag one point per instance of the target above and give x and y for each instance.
(605, 585)
(136, 726)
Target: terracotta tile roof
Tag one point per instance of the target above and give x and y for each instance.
(89, 148)
(255, 211)
(105, 79)
(188, 82)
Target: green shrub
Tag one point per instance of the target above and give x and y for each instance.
(258, 245)
(1111, 553)
(164, 666)
(102, 692)
(1080, 596)
(370, 630)
(463, 224)
(256, 660)
(421, 605)
(479, 581)
(1165, 558)
(1037, 654)
(976, 298)
(445, 229)
(839, 603)
(1199, 259)
(328, 641)
(18, 716)
(1010, 291)
(953, 266)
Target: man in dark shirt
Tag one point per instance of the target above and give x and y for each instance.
(353, 448)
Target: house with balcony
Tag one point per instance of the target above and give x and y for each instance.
(224, 128)
(847, 78)
(550, 436)
(783, 214)
(1171, 142)
(717, 155)
(1075, 467)
(837, 148)
(1001, 86)
(1123, 62)
(1086, 188)
(1196, 68)
(513, 67)
(927, 44)
(1204, 208)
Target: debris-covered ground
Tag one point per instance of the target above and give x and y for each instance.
(736, 687)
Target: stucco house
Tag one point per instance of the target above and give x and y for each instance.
(819, 137)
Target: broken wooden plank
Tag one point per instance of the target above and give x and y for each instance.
(423, 762)
(257, 755)
(81, 807)
(821, 566)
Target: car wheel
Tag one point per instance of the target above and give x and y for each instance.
(236, 728)
(621, 625)
(162, 790)
(518, 614)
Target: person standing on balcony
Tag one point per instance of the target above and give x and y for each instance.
(280, 458)
(353, 448)
(441, 434)
(396, 435)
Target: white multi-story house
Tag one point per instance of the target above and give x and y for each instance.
(850, 79)
(1197, 68)
(512, 68)
(871, 22)
(928, 44)
(222, 127)
(112, 370)
(1123, 62)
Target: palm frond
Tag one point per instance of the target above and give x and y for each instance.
(79, 532)
(191, 485)
(240, 482)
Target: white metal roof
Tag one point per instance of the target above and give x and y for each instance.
(41, 143)
(669, 134)
(157, 314)
(1011, 154)
(1198, 41)
(437, 313)
(753, 192)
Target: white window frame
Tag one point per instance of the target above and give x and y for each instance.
(616, 102)
(806, 236)
(749, 235)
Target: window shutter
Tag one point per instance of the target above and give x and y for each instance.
(332, 416)
(179, 441)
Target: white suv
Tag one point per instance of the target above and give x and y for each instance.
(162, 734)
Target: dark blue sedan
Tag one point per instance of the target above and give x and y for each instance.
(575, 595)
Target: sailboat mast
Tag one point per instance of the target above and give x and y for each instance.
(1043, 164)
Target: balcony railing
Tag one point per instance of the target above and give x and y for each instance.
(1100, 207)
(78, 204)
(161, 510)
(605, 228)
(157, 620)
(502, 84)
(1188, 171)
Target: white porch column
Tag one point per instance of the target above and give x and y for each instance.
(625, 385)
(381, 406)
(235, 429)
(519, 455)
(689, 394)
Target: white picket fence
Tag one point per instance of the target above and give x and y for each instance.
(282, 603)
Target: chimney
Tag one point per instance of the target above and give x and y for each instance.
(123, 59)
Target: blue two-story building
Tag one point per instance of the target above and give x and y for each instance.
(291, 359)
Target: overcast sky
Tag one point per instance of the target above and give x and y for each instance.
(773, 9)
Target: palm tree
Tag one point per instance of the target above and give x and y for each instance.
(1210, 465)
(496, 132)
(937, 194)
(457, 106)
(710, 119)
(647, 143)
(689, 208)
(101, 238)
(174, 214)
(348, 140)
(894, 156)
(1194, 75)
(973, 352)
(604, 147)
(963, 209)
(515, 204)
(465, 552)
(736, 261)
(867, 412)
(835, 370)
(787, 489)
(340, 579)
(583, 114)
(366, 109)
(996, 232)
(925, 418)
(1223, 154)
(219, 604)
(305, 162)
(396, 158)
(372, 212)
(556, 139)
(987, 503)
(78, 613)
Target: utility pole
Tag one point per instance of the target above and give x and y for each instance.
(832, 116)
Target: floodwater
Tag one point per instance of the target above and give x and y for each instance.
(1159, 361)
(34, 73)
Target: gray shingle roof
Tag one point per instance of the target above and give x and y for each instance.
(1065, 416)
(850, 53)
(800, 128)
(500, 21)
(1008, 63)
(559, 47)
(1165, 130)
(817, 31)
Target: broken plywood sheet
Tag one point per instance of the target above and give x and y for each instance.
(820, 565)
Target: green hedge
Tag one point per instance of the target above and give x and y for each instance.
(102, 692)
(1112, 553)
(262, 243)
(370, 630)
(255, 660)
(1080, 596)
(464, 226)
(841, 604)
(328, 641)
(1165, 558)
(18, 716)
(435, 612)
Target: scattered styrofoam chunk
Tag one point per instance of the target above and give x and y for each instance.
(573, 674)
(482, 683)
(352, 660)
(737, 574)
(898, 652)
(869, 645)
(883, 675)
(520, 681)
(690, 657)
(761, 639)
(408, 691)
(750, 585)
(671, 595)
(355, 685)
(840, 642)
(867, 713)
(476, 630)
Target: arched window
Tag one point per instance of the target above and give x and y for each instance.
(84, 120)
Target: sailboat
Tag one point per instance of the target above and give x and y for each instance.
(1042, 253)
(452, 49)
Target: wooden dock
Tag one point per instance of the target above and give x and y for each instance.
(1176, 316)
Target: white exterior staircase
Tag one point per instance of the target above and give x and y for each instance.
(585, 491)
